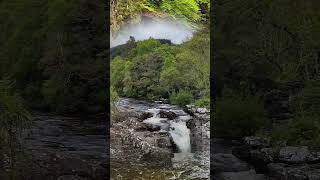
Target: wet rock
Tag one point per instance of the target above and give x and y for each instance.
(244, 175)
(152, 127)
(75, 166)
(314, 157)
(227, 163)
(164, 142)
(200, 132)
(255, 142)
(61, 146)
(293, 155)
(261, 158)
(71, 177)
(294, 172)
(145, 115)
(168, 114)
(202, 110)
(141, 127)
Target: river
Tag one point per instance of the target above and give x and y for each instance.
(153, 141)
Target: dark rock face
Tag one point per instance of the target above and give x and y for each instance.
(199, 127)
(261, 158)
(294, 155)
(227, 163)
(145, 146)
(285, 163)
(294, 172)
(62, 147)
(168, 114)
(145, 115)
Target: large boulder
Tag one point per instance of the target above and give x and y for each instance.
(294, 155)
(260, 158)
(145, 115)
(168, 114)
(314, 157)
(227, 163)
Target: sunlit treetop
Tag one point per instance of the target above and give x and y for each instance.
(187, 10)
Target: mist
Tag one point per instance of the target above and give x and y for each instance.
(157, 29)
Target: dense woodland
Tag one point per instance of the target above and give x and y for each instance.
(53, 57)
(267, 48)
(153, 68)
(55, 53)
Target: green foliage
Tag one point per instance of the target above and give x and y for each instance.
(153, 69)
(238, 117)
(142, 79)
(188, 10)
(181, 98)
(113, 100)
(14, 117)
(203, 102)
(268, 45)
(54, 54)
(307, 102)
(301, 131)
(13, 113)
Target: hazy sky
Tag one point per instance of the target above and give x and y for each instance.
(174, 31)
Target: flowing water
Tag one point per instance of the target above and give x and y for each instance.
(183, 163)
(181, 136)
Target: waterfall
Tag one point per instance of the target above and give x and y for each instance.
(177, 128)
(180, 135)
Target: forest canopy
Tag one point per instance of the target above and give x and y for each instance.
(152, 70)
(55, 52)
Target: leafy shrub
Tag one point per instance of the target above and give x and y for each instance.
(308, 100)
(14, 117)
(181, 98)
(301, 131)
(113, 100)
(237, 117)
(203, 102)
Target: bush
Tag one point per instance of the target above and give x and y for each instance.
(301, 131)
(181, 98)
(238, 117)
(113, 100)
(307, 101)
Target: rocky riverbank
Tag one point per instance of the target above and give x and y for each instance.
(154, 137)
(254, 158)
(66, 148)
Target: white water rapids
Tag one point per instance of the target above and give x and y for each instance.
(178, 129)
(180, 135)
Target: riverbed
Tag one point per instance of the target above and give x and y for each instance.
(153, 141)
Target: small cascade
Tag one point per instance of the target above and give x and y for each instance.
(180, 135)
(177, 128)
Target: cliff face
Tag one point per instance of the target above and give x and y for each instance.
(199, 127)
